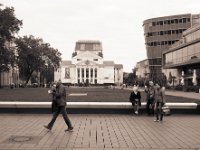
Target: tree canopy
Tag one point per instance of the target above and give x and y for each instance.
(35, 55)
(9, 26)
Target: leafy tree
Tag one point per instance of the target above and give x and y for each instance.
(9, 26)
(35, 56)
(130, 78)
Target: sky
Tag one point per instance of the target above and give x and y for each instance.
(116, 23)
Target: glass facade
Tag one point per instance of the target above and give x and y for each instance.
(183, 55)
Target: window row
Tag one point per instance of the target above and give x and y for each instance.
(167, 32)
(172, 21)
(161, 43)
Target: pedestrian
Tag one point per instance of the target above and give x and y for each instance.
(149, 89)
(54, 106)
(60, 99)
(135, 99)
(159, 102)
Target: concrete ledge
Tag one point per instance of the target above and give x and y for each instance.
(113, 105)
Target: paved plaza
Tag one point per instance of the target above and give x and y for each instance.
(99, 132)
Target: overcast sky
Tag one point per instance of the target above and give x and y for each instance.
(116, 23)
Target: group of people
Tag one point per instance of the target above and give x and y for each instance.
(155, 100)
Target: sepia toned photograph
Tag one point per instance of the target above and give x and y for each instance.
(99, 75)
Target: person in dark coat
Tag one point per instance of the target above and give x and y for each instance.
(150, 90)
(135, 99)
(60, 99)
(159, 102)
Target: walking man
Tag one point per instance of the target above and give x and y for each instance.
(60, 99)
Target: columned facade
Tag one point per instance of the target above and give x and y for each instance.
(88, 67)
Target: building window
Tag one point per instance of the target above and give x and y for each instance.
(87, 72)
(91, 72)
(78, 71)
(95, 81)
(82, 71)
(95, 59)
(67, 73)
(95, 72)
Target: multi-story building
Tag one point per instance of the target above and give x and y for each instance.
(142, 69)
(162, 32)
(182, 59)
(88, 66)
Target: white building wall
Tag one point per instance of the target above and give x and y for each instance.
(108, 74)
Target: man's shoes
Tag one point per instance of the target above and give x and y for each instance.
(47, 127)
(69, 129)
(156, 120)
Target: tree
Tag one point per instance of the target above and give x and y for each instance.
(9, 26)
(35, 55)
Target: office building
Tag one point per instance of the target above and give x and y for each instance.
(182, 59)
(160, 33)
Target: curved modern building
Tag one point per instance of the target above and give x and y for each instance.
(183, 57)
(162, 32)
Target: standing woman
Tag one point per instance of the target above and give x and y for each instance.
(159, 102)
(135, 99)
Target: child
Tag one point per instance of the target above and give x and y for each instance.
(135, 99)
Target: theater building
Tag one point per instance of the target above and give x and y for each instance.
(162, 32)
(87, 66)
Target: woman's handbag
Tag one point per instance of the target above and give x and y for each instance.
(166, 110)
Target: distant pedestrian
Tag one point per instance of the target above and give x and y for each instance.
(135, 99)
(60, 99)
(149, 89)
(159, 102)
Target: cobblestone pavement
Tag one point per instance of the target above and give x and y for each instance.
(99, 132)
